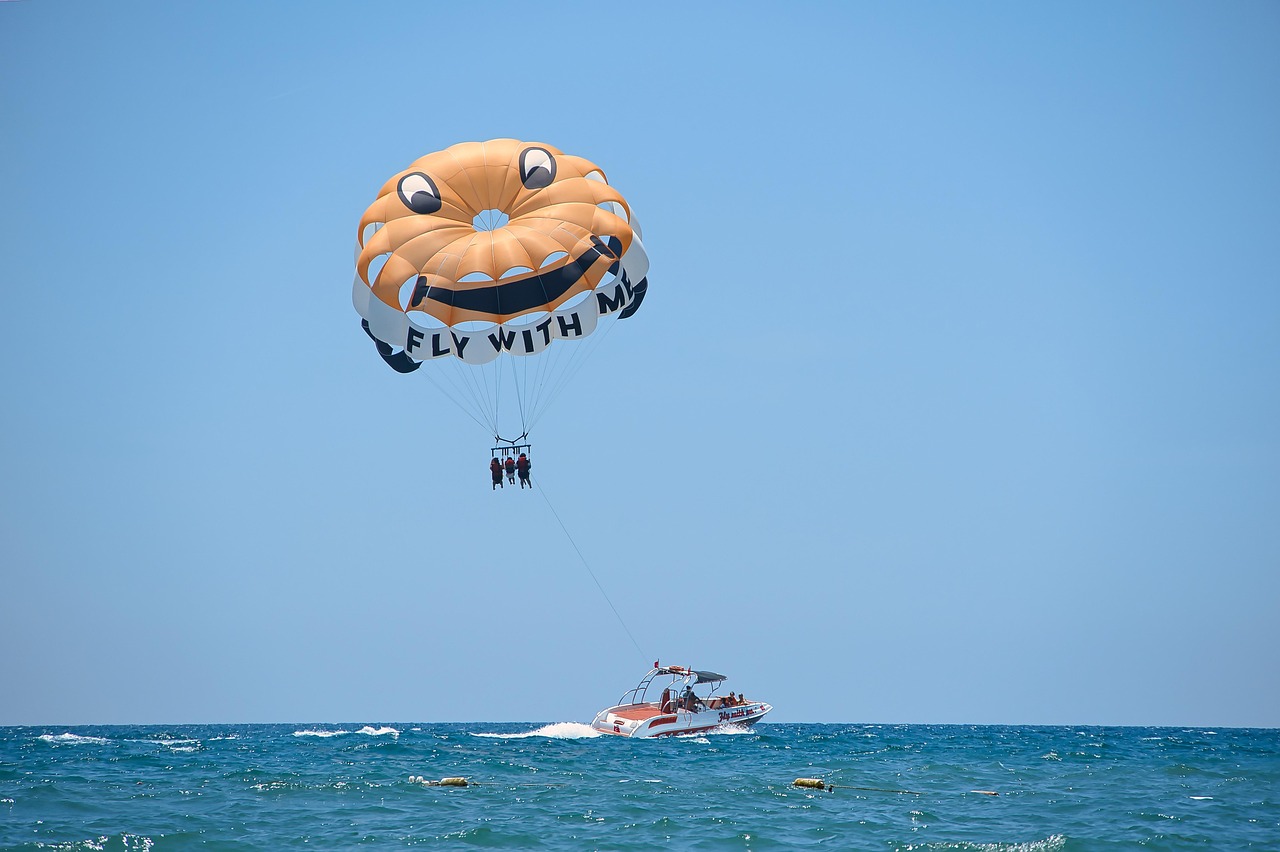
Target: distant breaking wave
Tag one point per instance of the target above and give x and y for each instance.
(554, 731)
(368, 730)
(378, 732)
(72, 739)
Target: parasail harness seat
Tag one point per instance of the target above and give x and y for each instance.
(512, 449)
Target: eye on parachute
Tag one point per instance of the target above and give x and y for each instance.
(498, 262)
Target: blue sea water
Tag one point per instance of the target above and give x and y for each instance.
(532, 786)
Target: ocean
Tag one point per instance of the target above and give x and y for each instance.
(558, 786)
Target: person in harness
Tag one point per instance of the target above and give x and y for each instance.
(511, 470)
(495, 468)
(522, 468)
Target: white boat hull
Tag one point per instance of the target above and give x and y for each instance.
(647, 720)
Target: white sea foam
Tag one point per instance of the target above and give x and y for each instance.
(1201, 798)
(130, 841)
(555, 731)
(72, 739)
(314, 733)
(179, 745)
(378, 732)
(175, 744)
(1052, 843)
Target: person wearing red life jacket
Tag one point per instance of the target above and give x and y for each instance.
(495, 468)
(522, 468)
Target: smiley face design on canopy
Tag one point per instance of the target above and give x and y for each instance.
(484, 233)
(492, 249)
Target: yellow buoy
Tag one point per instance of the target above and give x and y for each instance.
(453, 782)
(814, 783)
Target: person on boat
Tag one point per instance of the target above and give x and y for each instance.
(495, 468)
(522, 468)
(511, 470)
(689, 700)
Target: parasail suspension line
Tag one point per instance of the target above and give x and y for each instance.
(515, 380)
(449, 396)
(572, 366)
(616, 615)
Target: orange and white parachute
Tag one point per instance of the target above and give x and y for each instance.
(486, 253)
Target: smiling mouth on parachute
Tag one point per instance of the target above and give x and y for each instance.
(522, 295)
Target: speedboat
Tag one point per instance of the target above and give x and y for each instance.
(681, 710)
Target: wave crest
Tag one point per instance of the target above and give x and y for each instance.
(70, 738)
(378, 732)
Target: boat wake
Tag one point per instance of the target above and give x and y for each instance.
(554, 731)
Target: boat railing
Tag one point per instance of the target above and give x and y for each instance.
(637, 694)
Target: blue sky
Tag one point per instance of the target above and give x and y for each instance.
(955, 396)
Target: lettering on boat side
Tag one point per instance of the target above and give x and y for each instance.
(726, 715)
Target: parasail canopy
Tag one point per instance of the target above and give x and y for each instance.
(487, 253)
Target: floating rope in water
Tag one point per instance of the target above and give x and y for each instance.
(819, 784)
(458, 781)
